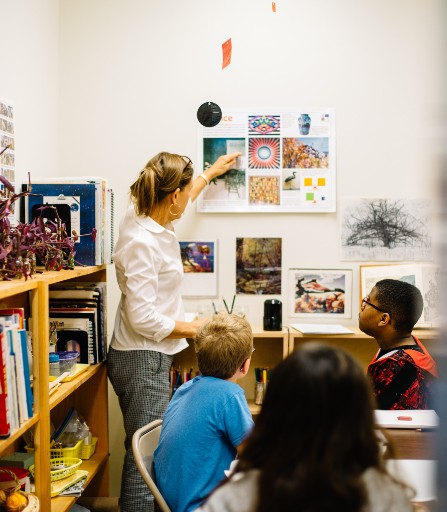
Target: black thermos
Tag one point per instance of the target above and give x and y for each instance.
(272, 315)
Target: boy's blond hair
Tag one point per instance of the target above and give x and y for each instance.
(223, 345)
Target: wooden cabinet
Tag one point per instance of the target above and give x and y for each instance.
(271, 347)
(87, 392)
(358, 344)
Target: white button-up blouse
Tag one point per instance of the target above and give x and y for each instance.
(149, 272)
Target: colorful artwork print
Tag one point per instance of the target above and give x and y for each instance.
(267, 125)
(7, 147)
(216, 147)
(305, 153)
(197, 256)
(263, 153)
(263, 190)
(310, 152)
(258, 266)
(320, 292)
(290, 180)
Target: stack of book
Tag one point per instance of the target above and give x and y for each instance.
(16, 397)
(77, 315)
(83, 204)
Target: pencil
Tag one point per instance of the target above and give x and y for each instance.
(225, 304)
(232, 304)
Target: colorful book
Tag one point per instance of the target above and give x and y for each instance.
(5, 427)
(26, 372)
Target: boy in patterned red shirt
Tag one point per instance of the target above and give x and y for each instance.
(402, 372)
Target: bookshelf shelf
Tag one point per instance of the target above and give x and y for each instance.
(87, 392)
(67, 388)
(5, 444)
(94, 466)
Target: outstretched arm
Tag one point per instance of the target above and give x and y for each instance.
(223, 164)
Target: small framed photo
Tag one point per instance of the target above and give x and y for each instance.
(424, 276)
(320, 293)
(199, 259)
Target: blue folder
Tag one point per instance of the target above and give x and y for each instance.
(85, 248)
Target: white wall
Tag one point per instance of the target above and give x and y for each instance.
(132, 74)
(29, 68)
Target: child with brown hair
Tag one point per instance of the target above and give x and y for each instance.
(208, 417)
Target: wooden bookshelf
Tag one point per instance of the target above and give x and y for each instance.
(87, 392)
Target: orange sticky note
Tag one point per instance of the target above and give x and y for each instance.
(321, 182)
(226, 53)
(307, 182)
(274, 6)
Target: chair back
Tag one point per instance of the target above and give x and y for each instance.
(144, 442)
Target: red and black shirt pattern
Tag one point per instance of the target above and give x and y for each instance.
(403, 378)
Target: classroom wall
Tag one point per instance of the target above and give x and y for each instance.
(29, 77)
(101, 86)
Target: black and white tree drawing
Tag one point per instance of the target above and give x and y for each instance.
(386, 226)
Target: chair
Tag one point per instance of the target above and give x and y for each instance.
(144, 442)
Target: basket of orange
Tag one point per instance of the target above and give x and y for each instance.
(13, 499)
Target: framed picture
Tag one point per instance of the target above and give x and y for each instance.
(424, 276)
(320, 293)
(258, 266)
(199, 259)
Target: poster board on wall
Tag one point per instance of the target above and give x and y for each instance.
(288, 161)
(424, 276)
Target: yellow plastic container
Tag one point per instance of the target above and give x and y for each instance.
(60, 453)
(89, 449)
(62, 467)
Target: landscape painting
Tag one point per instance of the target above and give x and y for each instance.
(258, 266)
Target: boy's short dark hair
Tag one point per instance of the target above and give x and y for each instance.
(223, 345)
(402, 301)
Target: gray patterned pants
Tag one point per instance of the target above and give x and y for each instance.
(140, 378)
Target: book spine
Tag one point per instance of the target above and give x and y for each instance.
(26, 372)
(5, 412)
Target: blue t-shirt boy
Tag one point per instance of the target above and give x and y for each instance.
(205, 421)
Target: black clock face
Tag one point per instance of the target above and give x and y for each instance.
(209, 114)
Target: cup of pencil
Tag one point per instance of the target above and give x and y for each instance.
(262, 375)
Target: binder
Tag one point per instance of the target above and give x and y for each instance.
(96, 201)
(78, 294)
(110, 225)
(81, 197)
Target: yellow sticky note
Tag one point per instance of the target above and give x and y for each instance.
(321, 182)
(307, 182)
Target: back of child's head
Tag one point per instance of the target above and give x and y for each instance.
(318, 411)
(223, 345)
(402, 301)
